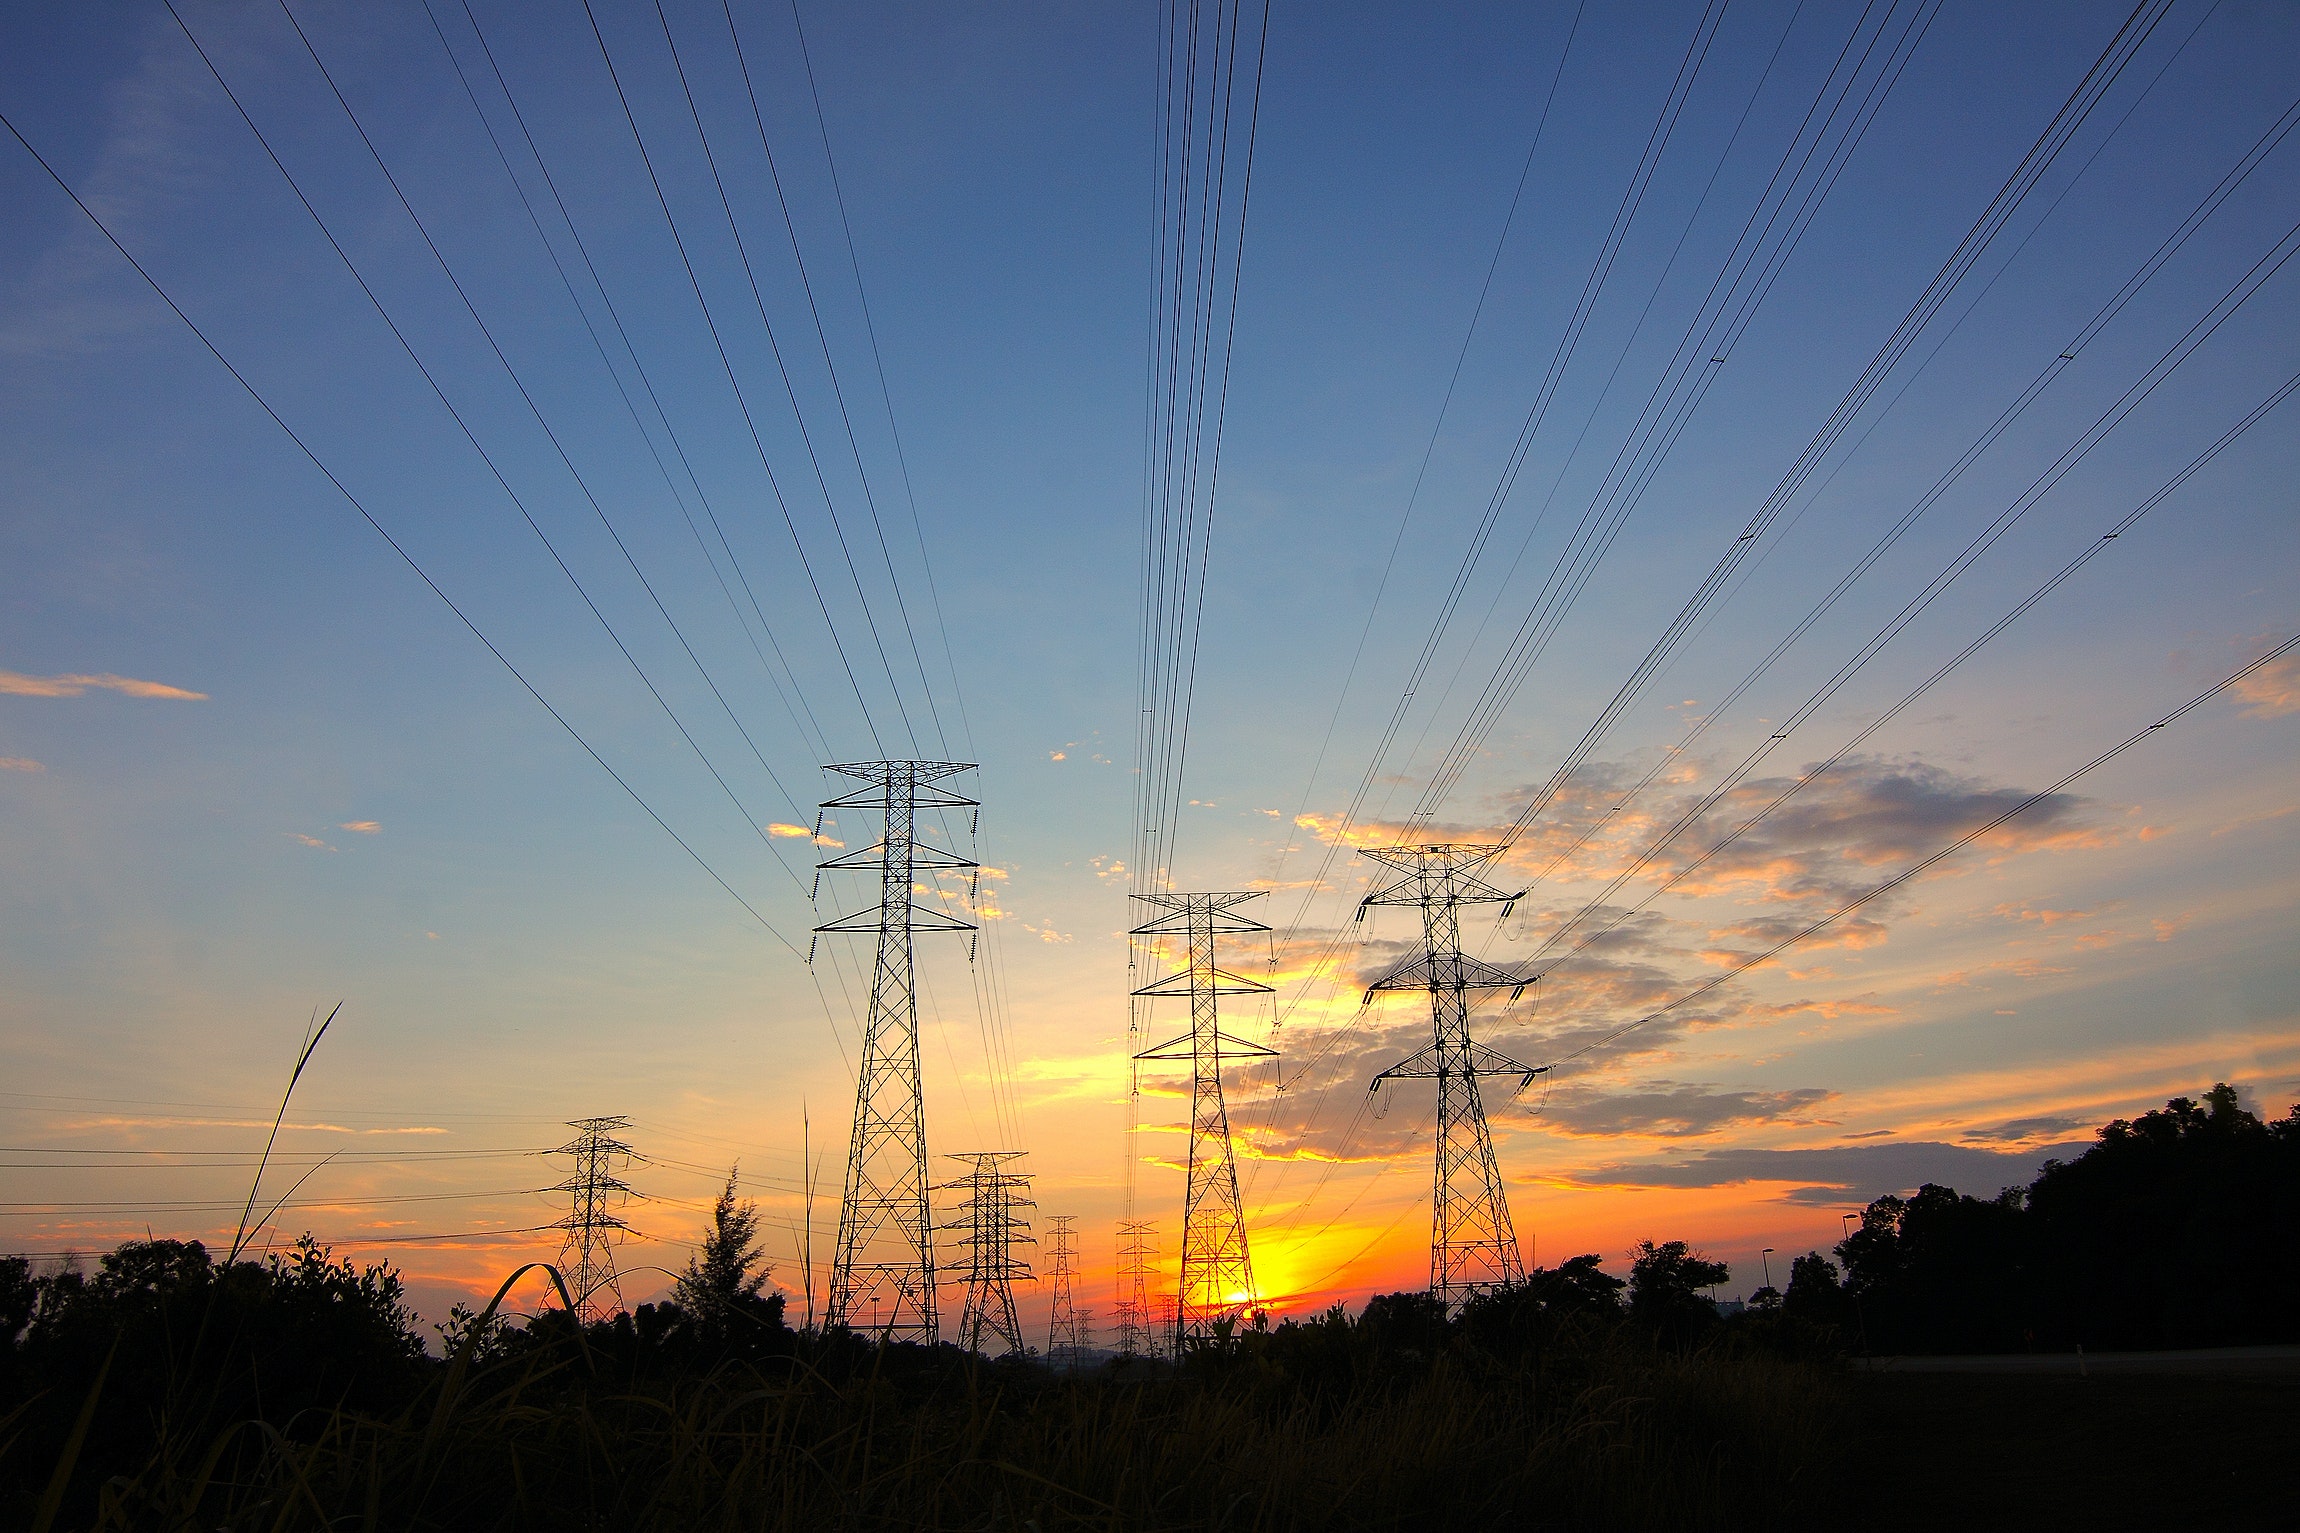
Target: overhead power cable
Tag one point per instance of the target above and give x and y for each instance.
(2050, 373)
(1850, 67)
(782, 365)
(886, 394)
(1670, 408)
(1914, 870)
(396, 547)
(830, 366)
(779, 673)
(2220, 312)
(2072, 114)
(462, 424)
(2093, 549)
(734, 382)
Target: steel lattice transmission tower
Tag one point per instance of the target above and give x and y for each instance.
(587, 1259)
(1070, 1330)
(1137, 1331)
(1472, 1244)
(885, 1256)
(1217, 1280)
(993, 1227)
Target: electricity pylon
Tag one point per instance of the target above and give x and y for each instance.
(1069, 1330)
(885, 1256)
(1137, 1327)
(1217, 1273)
(1472, 1244)
(587, 1259)
(992, 1229)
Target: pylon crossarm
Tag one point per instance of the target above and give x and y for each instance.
(1459, 968)
(921, 856)
(879, 771)
(921, 920)
(1184, 983)
(1221, 917)
(1430, 1064)
(1229, 1047)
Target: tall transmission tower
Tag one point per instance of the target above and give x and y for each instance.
(885, 1258)
(1070, 1330)
(587, 1258)
(1217, 1281)
(1137, 1323)
(992, 1227)
(1472, 1244)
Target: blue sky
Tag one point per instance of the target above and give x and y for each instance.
(363, 804)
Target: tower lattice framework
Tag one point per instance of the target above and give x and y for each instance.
(992, 1226)
(1133, 1312)
(1069, 1329)
(1473, 1246)
(587, 1257)
(884, 1265)
(1217, 1279)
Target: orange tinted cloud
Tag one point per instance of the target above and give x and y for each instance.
(16, 684)
(2273, 690)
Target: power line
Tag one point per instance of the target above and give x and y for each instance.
(1905, 875)
(2092, 550)
(407, 558)
(802, 716)
(782, 368)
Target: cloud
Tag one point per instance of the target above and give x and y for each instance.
(314, 842)
(790, 832)
(1842, 1174)
(1058, 755)
(2273, 690)
(2020, 1130)
(16, 684)
(20, 764)
(362, 827)
(1673, 1109)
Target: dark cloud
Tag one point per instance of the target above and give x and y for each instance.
(2031, 1128)
(1672, 1109)
(1850, 1174)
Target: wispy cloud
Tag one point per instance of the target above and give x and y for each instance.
(1841, 1173)
(1674, 1109)
(314, 842)
(362, 827)
(20, 764)
(2273, 690)
(17, 684)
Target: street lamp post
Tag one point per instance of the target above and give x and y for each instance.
(1766, 1256)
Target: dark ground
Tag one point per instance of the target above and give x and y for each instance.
(2115, 1450)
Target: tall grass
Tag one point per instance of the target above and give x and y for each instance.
(1616, 1436)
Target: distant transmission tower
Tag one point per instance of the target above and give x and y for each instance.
(1137, 1321)
(885, 1260)
(587, 1259)
(992, 1229)
(1070, 1331)
(1472, 1245)
(1217, 1274)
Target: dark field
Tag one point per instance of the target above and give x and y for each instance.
(2118, 1450)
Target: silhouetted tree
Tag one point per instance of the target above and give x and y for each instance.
(2177, 1228)
(1814, 1296)
(1577, 1285)
(1665, 1283)
(720, 1290)
(1405, 1322)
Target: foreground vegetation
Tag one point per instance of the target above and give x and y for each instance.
(171, 1390)
(1524, 1415)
